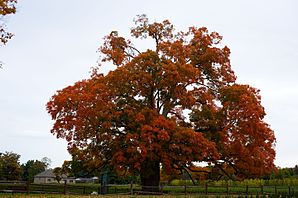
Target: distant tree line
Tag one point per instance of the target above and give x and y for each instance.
(283, 173)
(12, 170)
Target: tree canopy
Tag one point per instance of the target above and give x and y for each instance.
(32, 168)
(10, 168)
(170, 106)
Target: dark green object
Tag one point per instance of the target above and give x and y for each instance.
(104, 178)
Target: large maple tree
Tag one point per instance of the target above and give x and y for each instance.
(169, 106)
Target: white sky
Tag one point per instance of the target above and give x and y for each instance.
(56, 41)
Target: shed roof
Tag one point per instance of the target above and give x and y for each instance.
(48, 174)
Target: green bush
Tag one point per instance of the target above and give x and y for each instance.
(177, 182)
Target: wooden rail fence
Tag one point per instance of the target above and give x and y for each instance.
(206, 189)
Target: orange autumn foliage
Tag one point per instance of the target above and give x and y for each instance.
(172, 105)
(6, 7)
(248, 143)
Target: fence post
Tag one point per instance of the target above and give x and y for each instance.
(131, 188)
(28, 187)
(227, 188)
(64, 189)
(185, 189)
(289, 190)
(103, 188)
(206, 188)
(262, 190)
(246, 189)
(99, 189)
(275, 190)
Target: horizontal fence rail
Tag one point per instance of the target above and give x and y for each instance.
(131, 189)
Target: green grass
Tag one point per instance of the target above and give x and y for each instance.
(218, 190)
(138, 196)
(111, 196)
(89, 196)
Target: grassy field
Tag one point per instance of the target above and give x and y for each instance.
(84, 190)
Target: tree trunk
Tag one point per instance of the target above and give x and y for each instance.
(150, 176)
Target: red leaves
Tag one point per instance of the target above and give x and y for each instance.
(248, 141)
(114, 48)
(137, 113)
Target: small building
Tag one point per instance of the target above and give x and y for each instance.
(48, 176)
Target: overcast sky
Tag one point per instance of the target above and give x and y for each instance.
(55, 45)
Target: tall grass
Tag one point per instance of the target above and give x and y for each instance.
(246, 182)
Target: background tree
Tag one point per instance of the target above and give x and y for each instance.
(10, 168)
(32, 168)
(80, 168)
(58, 173)
(168, 106)
(282, 173)
(46, 161)
(295, 170)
